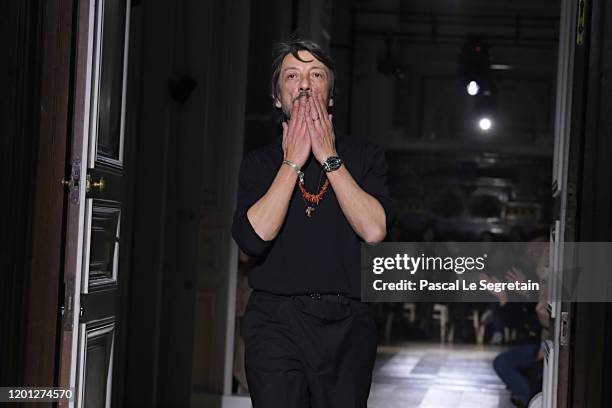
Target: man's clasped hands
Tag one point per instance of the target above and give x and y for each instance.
(309, 128)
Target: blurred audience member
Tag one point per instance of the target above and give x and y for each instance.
(521, 366)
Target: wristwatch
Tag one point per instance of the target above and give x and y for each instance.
(332, 163)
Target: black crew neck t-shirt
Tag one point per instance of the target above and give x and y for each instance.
(320, 254)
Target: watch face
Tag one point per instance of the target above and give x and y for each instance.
(332, 163)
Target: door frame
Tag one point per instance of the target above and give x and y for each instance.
(43, 289)
(75, 211)
(591, 215)
(583, 200)
(555, 379)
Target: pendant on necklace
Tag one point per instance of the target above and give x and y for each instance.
(309, 211)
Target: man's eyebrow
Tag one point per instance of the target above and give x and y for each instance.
(296, 68)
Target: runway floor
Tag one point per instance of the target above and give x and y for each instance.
(428, 375)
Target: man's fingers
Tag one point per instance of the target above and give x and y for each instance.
(308, 130)
(316, 105)
(316, 122)
(325, 122)
(285, 127)
(285, 130)
(301, 125)
(310, 126)
(291, 124)
(312, 111)
(516, 274)
(295, 106)
(313, 126)
(323, 110)
(298, 110)
(296, 117)
(301, 108)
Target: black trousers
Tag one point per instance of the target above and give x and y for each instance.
(304, 351)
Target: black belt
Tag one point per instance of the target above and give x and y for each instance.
(313, 295)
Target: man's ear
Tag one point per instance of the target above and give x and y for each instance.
(277, 103)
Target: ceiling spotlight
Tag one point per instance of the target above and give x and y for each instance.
(485, 123)
(472, 88)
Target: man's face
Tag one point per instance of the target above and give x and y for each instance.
(301, 79)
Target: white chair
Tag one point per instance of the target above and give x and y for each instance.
(537, 401)
(409, 312)
(440, 312)
(479, 329)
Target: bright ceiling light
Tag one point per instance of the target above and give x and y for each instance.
(472, 88)
(485, 123)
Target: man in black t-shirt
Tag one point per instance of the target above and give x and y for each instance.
(305, 204)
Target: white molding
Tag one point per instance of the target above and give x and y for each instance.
(124, 78)
(563, 102)
(78, 262)
(84, 286)
(95, 81)
(563, 112)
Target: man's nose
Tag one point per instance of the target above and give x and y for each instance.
(305, 84)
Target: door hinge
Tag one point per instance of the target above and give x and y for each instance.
(67, 308)
(72, 183)
(564, 336)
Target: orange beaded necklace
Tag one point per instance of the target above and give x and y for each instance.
(313, 199)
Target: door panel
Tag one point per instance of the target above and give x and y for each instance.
(108, 85)
(104, 202)
(103, 223)
(104, 248)
(110, 110)
(97, 354)
(97, 210)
